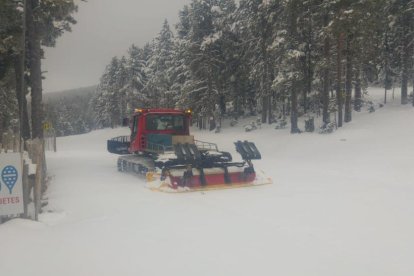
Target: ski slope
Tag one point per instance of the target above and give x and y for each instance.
(341, 204)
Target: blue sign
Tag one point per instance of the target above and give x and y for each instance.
(9, 176)
(11, 193)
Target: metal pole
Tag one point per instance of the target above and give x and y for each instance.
(23, 82)
(22, 95)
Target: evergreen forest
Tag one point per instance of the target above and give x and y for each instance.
(273, 59)
(270, 58)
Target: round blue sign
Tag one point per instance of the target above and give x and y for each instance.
(9, 176)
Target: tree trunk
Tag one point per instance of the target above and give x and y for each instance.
(269, 110)
(21, 98)
(237, 100)
(264, 108)
(309, 72)
(212, 100)
(404, 78)
(386, 67)
(294, 111)
(272, 96)
(358, 90)
(265, 91)
(265, 78)
(404, 84)
(348, 80)
(405, 59)
(269, 93)
(404, 73)
(325, 93)
(1, 129)
(338, 80)
(309, 78)
(265, 99)
(35, 54)
(393, 90)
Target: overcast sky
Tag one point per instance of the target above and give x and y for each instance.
(105, 28)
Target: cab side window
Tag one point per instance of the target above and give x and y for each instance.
(178, 123)
(151, 122)
(134, 128)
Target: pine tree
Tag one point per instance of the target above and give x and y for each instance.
(260, 22)
(109, 86)
(45, 21)
(402, 13)
(137, 78)
(205, 58)
(11, 57)
(160, 64)
(325, 60)
(8, 105)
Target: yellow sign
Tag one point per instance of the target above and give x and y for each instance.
(47, 126)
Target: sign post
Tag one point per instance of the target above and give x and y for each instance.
(11, 187)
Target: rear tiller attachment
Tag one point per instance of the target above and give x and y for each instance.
(199, 169)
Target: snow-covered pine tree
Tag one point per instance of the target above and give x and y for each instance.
(11, 60)
(182, 75)
(291, 76)
(100, 116)
(224, 18)
(8, 105)
(369, 29)
(137, 79)
(402, 25)
(339, 34)
(160, 64)
(363, 22)
(237, 70)
(64, 122)
(308, 33)
(323, 41)
(201, 57)
(260, 21)
(294, 57)
(45, 22)
(386, 74)
(107, 99)
(69, 114)
(121, 85)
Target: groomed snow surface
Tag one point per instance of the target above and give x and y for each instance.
(341, 204)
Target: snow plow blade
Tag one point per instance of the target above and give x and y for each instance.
(155, 183)
(195, 170)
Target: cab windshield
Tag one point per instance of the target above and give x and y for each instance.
(165, 122)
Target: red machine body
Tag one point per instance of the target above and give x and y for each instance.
(145, 123)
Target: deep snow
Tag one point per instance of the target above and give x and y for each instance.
(341, 204)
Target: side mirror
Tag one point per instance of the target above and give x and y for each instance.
(125, 122)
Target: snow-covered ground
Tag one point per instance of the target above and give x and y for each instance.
(341, 204)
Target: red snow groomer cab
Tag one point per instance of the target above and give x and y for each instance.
(161, 148)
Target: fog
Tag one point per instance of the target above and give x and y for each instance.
(105, 28)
